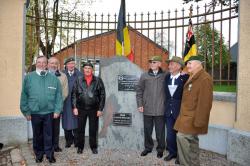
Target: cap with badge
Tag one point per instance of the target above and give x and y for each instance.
(177, 60)
(196, 58)
(70, 59)
(155, 58)
(87, 64)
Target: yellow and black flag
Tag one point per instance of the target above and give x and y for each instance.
(190, 46)
(123, 47)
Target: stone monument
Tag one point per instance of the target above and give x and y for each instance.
(121, 125)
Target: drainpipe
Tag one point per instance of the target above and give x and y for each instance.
(25, 7)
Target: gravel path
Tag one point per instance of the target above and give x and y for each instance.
(107, 157)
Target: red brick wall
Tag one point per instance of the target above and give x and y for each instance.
(103, 46)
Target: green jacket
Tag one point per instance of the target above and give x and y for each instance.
(41, 94)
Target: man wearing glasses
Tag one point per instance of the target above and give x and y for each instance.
(150, 101)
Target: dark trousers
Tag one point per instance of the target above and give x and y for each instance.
(93, 128)
(171, 135)
(42, 134)
(149, 123)
(71, 136)
(56, 132)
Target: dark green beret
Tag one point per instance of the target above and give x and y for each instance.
(196, 58)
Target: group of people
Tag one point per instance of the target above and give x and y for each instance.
(49, 94)
(177, 100)
(181, 101)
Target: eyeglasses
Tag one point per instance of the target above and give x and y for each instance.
(152, 62)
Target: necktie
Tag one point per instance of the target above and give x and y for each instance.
(42, 73)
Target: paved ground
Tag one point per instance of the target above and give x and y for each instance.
(23, 155)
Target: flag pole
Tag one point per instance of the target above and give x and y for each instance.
(190, 11)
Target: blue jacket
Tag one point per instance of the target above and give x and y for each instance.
(173, 103)
(69, 120)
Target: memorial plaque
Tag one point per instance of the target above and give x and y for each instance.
(122, 119)
(127, 82)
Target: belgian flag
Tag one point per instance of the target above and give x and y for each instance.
(190, 46)
(123, 47)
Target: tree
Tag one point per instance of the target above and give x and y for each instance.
(161, 39)
(214, 3)
(46, 17)
(204, 37)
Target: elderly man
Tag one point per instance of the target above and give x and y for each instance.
(173, 90)
(88, 99)
(53, 66)
(150, 99)
(69, 120)
(41, 101)
(195, 110)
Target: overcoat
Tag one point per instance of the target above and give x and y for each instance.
(196, 104)
(69, 120)
(150, 93)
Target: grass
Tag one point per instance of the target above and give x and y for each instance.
(225, 88)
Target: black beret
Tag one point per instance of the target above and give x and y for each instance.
(69, 60)
(87, 64)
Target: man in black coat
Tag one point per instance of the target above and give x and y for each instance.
(174, 83)
(88, 100)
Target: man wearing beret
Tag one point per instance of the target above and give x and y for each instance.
(195, 110)
(41, 101)
(88, 100)
(174, 83)
(69, 120)
(150, 99)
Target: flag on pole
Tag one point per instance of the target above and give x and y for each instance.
(190, 46)
(123, 47)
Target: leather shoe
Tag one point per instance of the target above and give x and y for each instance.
(145, 152)
(94, 151)
(177, 161)
(39, 159)
(52, 159)
(1, 146)
(159, 154)
(169, 157)
(79, 150)
(58, 149)
(68, 145)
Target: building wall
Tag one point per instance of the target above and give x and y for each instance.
(11, 41)
(243, 82)
(223, 113)
(103, 46)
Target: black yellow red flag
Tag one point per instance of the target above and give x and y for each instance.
(190, 46)
(123, 47)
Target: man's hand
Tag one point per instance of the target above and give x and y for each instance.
(75, 111)
(140, 109)
(56, 115)
(28, 117)
(99, 113)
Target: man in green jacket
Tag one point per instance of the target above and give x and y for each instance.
(41, 101)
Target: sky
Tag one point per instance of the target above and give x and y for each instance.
(145, 6)
(138, 6)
